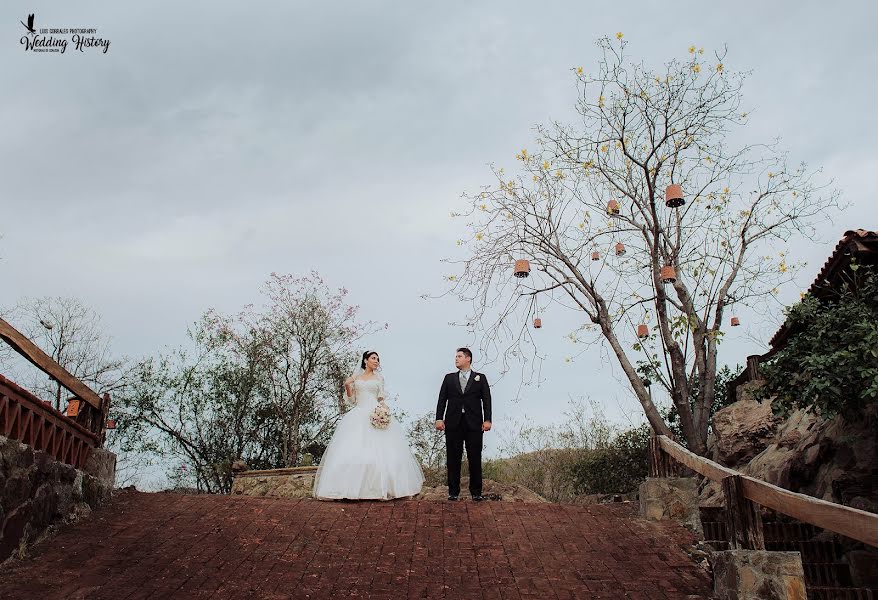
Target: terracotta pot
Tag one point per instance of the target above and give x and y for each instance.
(642, 331)
(111, 423)
(735, 321)
(669, 274)
(522, 268)
(73, 407)
(538, 323)
(674, 196)
(595, 255)
(613, 208)
(620, 248)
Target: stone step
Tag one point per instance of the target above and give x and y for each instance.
(827, 574)
(841, 593)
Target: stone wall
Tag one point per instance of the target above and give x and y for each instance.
(293, 482)
(37, 491)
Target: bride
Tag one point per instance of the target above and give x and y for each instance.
(362, 461)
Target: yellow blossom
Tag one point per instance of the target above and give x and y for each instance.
(582, 225)
(588, 164)
(691, 49)
(483, 207)
(696, 68)
(559, 174)
(451, 277)
(479, 236)
(701, 51)
(782, 267)
(605, 148)
(619, 35)
(459, 242)
(725, 190)
(801, 295)
(546, 165)
(601, 101)
(579, 70)
(770, 174)
(719, 68)
(535, 178)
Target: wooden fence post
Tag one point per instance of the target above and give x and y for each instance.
(659, 462)
(743, 521)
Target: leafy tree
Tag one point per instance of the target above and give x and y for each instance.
(639, 130)
(830, 362)
(264, 385)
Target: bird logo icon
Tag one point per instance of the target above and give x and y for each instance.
(30, 24)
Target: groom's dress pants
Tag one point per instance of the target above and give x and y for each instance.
(455, 439)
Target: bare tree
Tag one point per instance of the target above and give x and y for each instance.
(70, 332)
(588, 210)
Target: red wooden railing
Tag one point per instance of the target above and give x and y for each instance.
(26, 418)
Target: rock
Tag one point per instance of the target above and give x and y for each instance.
(671, 499)
(293, 482)
(239, 465)
(758, 575)
(742, 430)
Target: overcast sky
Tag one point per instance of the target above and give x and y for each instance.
(215, 143)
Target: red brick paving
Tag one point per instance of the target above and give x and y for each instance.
(175, 546)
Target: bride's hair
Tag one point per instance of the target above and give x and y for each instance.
(366, 355)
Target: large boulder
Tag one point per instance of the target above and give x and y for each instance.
(833, 459)
(742, 430)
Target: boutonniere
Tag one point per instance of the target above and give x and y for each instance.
(478, 377)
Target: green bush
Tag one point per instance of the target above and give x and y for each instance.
(616, 469)
(830, 363)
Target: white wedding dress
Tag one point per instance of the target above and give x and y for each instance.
(363, 462)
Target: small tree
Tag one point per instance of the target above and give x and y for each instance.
(830, 362)
(640, 131)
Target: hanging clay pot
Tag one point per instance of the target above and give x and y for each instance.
(613, 208)
(73, 407)
(669, 274)
(642, 331)
(538, 323)
(522, 268)
(595, 255)
(620, 248)
(736, 321)
(674, 196)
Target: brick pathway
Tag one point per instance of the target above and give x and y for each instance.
(174, 546)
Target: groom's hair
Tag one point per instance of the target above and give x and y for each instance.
(467, 352)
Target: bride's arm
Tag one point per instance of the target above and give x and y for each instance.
(381, 390)
(349, 387)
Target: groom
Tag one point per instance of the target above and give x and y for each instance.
(467, 396)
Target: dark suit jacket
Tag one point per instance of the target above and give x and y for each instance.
(475, 401)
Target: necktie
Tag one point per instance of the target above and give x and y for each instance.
(462, 375)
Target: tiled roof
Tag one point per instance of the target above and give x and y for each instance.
(854, 242)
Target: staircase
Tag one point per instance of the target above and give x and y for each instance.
(827, 576)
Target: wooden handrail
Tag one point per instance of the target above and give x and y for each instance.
(851, 522)
(44, 362)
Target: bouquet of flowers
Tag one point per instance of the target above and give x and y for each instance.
(380, 416)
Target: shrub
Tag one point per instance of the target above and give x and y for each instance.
(615, 469)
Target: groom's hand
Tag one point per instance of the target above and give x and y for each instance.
(440, 425)
(486, 426)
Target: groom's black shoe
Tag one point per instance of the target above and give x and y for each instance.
(452, 498)
(478, 498)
